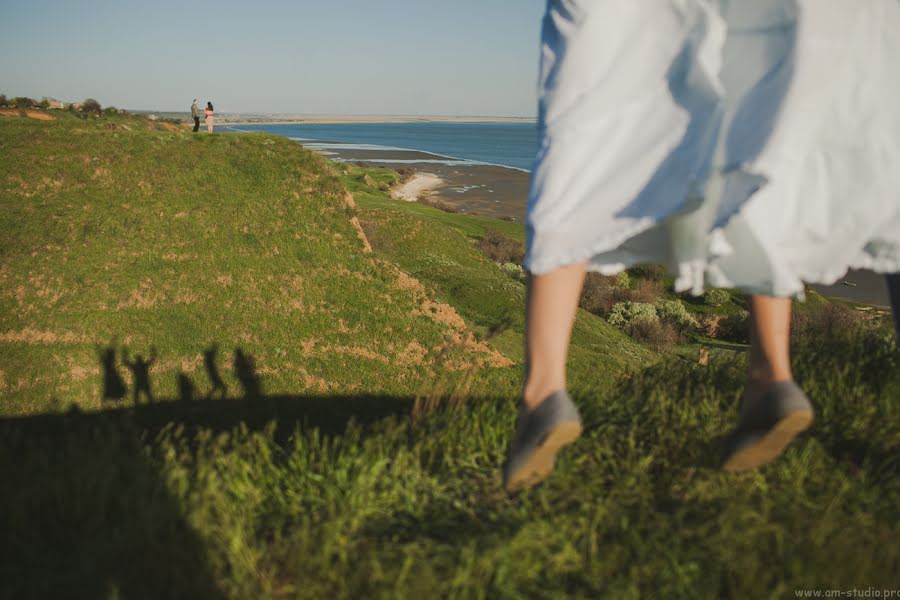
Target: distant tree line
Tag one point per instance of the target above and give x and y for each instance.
(88, 107)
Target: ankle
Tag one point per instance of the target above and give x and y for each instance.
(767, 374)
(535, 392)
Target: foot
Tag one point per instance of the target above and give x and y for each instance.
(540, 434)
(770, 419)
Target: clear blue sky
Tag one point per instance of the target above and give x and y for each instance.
(422, 57)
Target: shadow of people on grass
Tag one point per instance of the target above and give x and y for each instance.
(113, 385)
(212, 372)
(245, 371)
(87, 514)
(89, 511)
(140, 370)
(186, 389)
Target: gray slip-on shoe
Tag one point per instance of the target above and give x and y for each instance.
(540, 435)
(767, 427)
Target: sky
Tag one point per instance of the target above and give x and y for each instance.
(355, 57)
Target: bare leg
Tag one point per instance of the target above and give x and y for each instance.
(773, 410)
(770, 357)
(550, 310)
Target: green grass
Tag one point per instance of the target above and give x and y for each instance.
(333, 482)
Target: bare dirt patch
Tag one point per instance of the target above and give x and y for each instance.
(446, 314)
(141, 297)
(30, 335)
(31, 114)
(413, 354)
(367, 247)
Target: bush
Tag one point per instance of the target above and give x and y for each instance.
(23, 102)
(91, 106)
(3, 101)
(112, 110)
(501, 248)
(513, 270)
(657, 335)
(601, 292)
(438, 204)
(651, 272)
(735, 328)
(646, 290)
(405, 174)
(716, 297)
(623, 280)
(676, 314)
(623, 313)
(829, 321)
(45, 104)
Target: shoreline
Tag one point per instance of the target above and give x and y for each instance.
(355, 119)
(501, 192)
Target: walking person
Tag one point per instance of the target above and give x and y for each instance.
(209, 117)
(750, 145)
(195, 114)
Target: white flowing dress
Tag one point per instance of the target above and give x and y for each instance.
(742, 143)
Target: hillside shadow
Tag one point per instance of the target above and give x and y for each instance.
(87, 510)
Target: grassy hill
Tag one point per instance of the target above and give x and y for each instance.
(361, 401)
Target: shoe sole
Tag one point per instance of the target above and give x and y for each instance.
(772, 444)
(541, 462)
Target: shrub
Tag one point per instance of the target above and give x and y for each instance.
(405, 174)
(599, 294)
(657, 335)
(646, 290)
(513, 270)
(438, 204)
(3, 101)
(829, 321)
(675, 313)
(623, 313)
(45, 104)
(23, 102)
(501, 248)
(623, 280)
(112, 110)
(91, 106)
(716, 297)
(651, 272)
(735, 328)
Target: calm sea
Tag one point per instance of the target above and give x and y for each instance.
(506, 144)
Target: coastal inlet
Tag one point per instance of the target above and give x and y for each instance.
(480, 168)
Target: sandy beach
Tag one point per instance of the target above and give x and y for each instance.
(467, 187)
(417, 186)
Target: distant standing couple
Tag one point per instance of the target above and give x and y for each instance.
(195, 114)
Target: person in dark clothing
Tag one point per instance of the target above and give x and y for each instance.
(195, 114)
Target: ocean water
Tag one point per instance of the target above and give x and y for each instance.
(511, 145)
